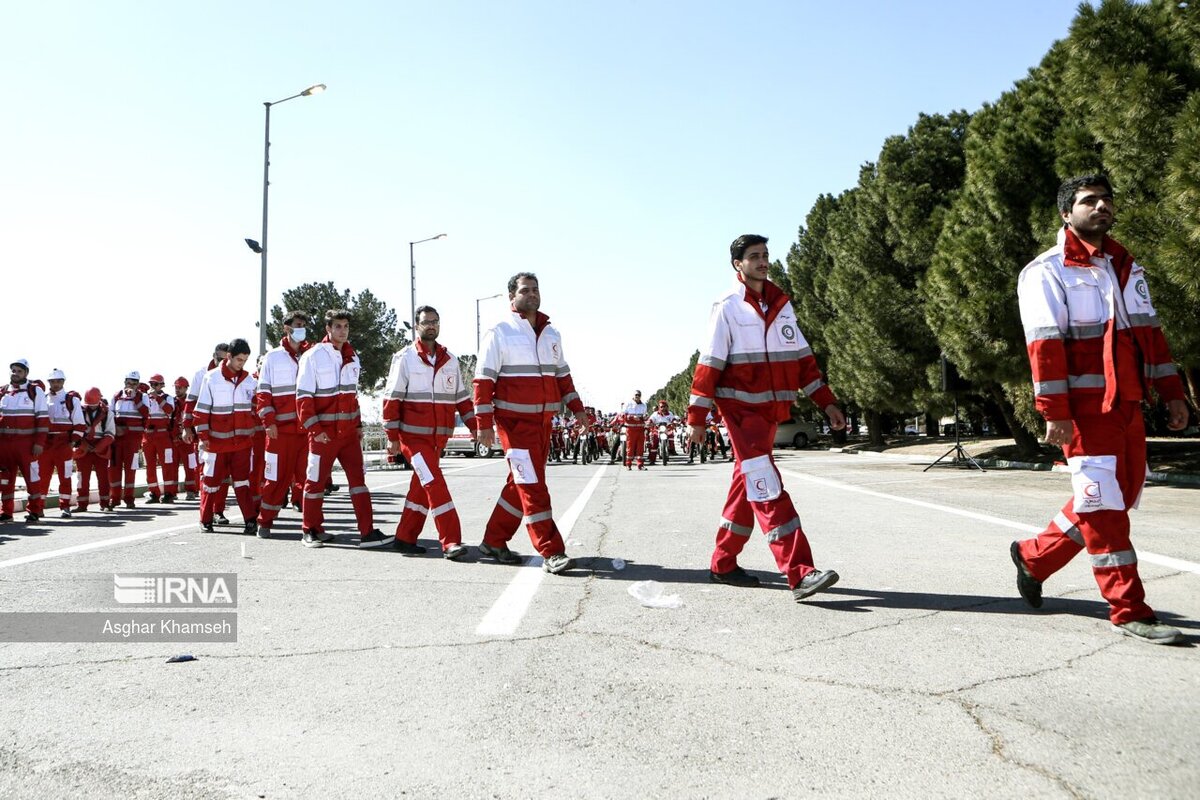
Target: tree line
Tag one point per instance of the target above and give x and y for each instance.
(920, 258)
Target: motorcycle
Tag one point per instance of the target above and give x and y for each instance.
(666, 442)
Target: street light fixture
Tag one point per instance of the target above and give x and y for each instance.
(477, 327)
(261, 246)
(412, 279)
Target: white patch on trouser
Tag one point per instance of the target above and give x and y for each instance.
(192, 460)
(68, 468)
(1094, 479)
(169, 456)
(762, 481)
(133, 462)
(521, 466)
(35, 472)
(210, 464)
(422, 469)
(313, 473)
(270, 466)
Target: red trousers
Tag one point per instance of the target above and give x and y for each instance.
(218, 467)
(635, 444)
(257, 465)
(283, 467)
(1107, 457)
(122, 470)
(57, 458)
(427, 493)
(526, 444)
(347, 451)
(86, 465)
(16, 456)
(156, 447)
(222, 494)
(757, 493)
(182, 455)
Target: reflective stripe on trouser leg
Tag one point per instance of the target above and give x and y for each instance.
(235, 465)
(752, 436)
(532, 498)
(350, 456)
(291, 454)
(318, 465)
(121, 475)
(1053, 548)
(635, 445)
(1114, 564)
(433, 498)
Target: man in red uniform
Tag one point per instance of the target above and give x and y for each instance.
(327, 401)
(754, 362)
(130, 410)
(224, 421)
(24, 425)
(425, 387)
(220, 354)
(633, 422)
(94, 450)
(522, 377)
(287, 443)
(66, 427)
(1095, 347)
(183, 456)
(156, 443)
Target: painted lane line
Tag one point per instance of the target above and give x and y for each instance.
(1143, 555)
(83, 548)
(505, 615)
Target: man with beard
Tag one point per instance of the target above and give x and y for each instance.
(24, 425)
(287, 443)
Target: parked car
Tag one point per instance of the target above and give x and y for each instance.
(798, 434)
(460, 442)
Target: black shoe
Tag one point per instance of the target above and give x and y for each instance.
(1029, 586)
(813, 582)
(250, 528)
(129, 504)
(220, 519)
(191, 496)
(454, 552)
(310, 538)
(151, 499)
(298, 507)
(168, 498)
(207, 527)
(735, 577)
(30, 518)
(501, 554)
(262, 533)
(66, 513)
(376, 539)
(5, 517)
(409, 548)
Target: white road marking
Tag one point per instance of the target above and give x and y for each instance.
(505, 615)
(137, 537)
(1143, 555)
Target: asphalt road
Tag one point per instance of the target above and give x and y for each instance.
(371, 674)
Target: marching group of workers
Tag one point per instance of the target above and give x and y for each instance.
(1094, 344)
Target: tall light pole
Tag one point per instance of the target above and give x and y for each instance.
(412, 280)
(478, 332)
(261, 246)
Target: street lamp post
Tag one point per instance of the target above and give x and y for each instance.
(412, 280)
(478, 332)
(261, 247)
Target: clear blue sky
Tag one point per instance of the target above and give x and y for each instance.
(613, 148)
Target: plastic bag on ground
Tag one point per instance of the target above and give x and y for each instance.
(650, 594)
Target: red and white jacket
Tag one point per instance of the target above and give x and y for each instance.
(633, 415)
(424, 391)
(277, 388)
(756, 357)
(99, 431)
(224, 413)
(161, 406)
(1079, 325)
(189, 405)
(66, 418)
(130, 413)
(24, 414)
(522, 373)
(327, 390)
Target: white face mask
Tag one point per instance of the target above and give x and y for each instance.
(298, 334)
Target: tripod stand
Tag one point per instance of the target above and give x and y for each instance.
(961, 459)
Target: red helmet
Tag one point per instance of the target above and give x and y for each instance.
(92, 397)
(157, 378)
(181, 381)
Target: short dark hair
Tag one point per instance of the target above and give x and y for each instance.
(737, 250)
(238, 347)
(336, 313)
(292, 316)
(512, 282)
(1071, 186)
(221, 346)
(425, 310)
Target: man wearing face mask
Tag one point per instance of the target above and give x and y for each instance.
(287, 443)
(130, 410)
(24, 425)
(225, 423)
(220, 353)
(156, 443)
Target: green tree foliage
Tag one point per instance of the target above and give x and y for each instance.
(678, 389)
(809, 264)
(374, 332)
